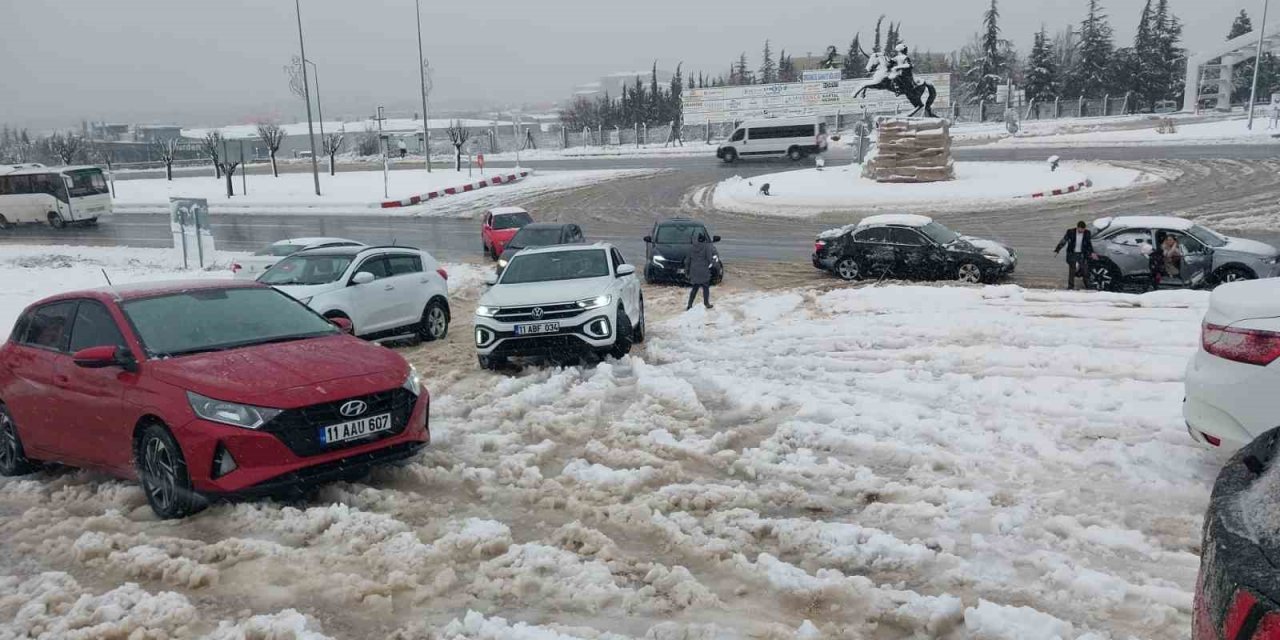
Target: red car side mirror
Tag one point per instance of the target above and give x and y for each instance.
(104, 357)
(343, 324)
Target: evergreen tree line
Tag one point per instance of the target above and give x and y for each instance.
(651, 104)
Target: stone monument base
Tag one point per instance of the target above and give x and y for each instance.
(911, 150)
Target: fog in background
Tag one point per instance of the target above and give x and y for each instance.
(195, 62)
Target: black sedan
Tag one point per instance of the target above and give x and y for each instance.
(667, 247)
(910, 247)
(540, 234)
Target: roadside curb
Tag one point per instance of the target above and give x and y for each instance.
(450, 191)
(1079, 186)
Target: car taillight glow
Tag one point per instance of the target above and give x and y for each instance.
(1250, 346)
(443, 274)
(1217, 442)
(818, 246)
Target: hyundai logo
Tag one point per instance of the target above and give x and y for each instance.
(353, 408)
(537, 313)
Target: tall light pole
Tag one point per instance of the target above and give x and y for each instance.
(422, 73)
(1257, 62)
(306, 91)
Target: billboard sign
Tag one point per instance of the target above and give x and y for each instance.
(821, 75)
(817, 98)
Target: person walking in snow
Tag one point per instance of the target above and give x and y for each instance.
(697, 265)
(1079, 245)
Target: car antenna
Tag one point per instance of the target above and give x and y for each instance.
(108, 278)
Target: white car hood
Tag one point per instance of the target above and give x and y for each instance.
(534, 293)
(1248, 300)
(302, 292)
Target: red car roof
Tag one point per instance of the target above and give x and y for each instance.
(136, 290)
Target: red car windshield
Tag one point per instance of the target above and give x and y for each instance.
(220, 319)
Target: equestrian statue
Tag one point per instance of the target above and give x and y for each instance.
(899, 78)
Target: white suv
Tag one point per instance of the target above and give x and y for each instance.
(560, 302)
(384, 292)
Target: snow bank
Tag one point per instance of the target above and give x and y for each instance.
(811, 191)
(1233, 131)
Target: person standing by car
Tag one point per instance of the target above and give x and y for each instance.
(1172, 254)
(1079, 245)
(698, 267)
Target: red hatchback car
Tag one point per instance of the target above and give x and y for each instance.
(202, 390)
(499, 226)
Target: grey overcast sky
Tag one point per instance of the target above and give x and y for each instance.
(220, 61)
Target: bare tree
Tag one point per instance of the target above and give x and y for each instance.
(64, 146)
(331, 144)
(168, 151)
(272, 137)
(229, 170)
(211, 147)
(458, 136)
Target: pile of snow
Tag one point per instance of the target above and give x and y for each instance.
(1233, 131)
(349, 192)
(899, 461)
(812, 191)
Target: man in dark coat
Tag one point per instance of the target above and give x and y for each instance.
(1079, 245)
(697, 265)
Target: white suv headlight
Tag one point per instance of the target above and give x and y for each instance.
(413, 383)
(487, 312)
(595, 303)
(236, 415)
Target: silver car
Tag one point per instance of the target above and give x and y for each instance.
(1208, 257)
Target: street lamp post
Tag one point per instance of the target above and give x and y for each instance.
(1257, 62)
(306, 91)
(422, 73)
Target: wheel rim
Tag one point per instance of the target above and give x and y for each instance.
(970, 273)
(848, 269)
(1233, 276)
(436, 322)
(8, 442)
(161, 478)
(1102, 278)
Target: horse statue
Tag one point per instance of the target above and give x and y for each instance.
(899, 79)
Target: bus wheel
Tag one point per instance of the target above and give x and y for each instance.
(56, 221)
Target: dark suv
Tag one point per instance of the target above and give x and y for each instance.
(667, 247)
(910, 246)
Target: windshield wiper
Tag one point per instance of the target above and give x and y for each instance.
(192, 352)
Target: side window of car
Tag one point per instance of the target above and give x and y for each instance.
(1189, 245)
(906, 237)
(377, 266)
(94, 327)
(403, 265)
(50, 326)
(874, 235)
(1132, 237)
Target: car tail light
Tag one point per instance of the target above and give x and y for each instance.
(1250, 346)
(1217, 442)
(235, 267)
(443, 274)
(818, 246)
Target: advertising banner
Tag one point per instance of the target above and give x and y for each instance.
(816, 98)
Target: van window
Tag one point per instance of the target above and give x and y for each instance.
(738, 135)
(775, 133)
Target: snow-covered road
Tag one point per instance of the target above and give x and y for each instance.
(881, 462)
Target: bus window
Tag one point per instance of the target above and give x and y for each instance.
(87, 182)
(6, 187)
(21, 184)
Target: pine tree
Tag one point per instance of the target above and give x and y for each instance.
(768, 68)
(743, 72)
(1091, 74)
(855, 60)
(675, 95)
(989, 69)
(1142, 64)
(1241, 25)
(786, 68)
(877, 45)
(657, 108)
(1242, 73)
(1171, 61)
(893, 38)
(1042, 72)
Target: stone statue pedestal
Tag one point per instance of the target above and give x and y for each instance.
(911, 150)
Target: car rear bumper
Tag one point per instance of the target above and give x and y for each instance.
(265, 464)
(826, 262)
(1231, 402)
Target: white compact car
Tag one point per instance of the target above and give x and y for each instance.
(384, 292)
(560, 302)
(1231, 381)
(249, 268)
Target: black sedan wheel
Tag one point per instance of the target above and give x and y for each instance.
(970, 273)
(848, 269)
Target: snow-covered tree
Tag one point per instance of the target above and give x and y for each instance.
(330, 145)
(1242, 76)
(272, 136)
(1091, 73)
(855, 61)
(168, 151)
(229, 170)
(893, 37)
(211, 147)
(987, 72)
(66, 147)
(1041, 75)
(458, 136)
(786, 68)
(1171, 61)
(768, 68)
(830, 60)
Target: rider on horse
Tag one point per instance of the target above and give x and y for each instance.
(902, 73)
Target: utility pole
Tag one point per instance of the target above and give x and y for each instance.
(382, 141)
(1257, 62)
(306, 94)
(422, 73)
(315, 73)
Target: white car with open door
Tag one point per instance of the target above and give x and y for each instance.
(560, 303)
(1231, 381)
(385, 292)
(250, 267)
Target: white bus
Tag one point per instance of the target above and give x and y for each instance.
(58, 196)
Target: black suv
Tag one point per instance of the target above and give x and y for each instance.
(667, 247)
(910, 246)
(540, 234)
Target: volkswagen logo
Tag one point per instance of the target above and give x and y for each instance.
(537, 313)
(353, 408)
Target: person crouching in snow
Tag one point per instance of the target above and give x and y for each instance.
(698, 267)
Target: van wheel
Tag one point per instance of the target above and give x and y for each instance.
(730, 156)
(795, 154)
(164, 476)
(13, 458)
(56, 221)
